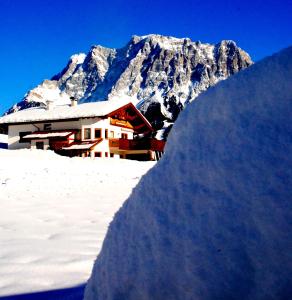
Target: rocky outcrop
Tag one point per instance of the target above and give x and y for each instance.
(159, 74)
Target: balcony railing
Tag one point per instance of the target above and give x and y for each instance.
(114, 143)
(139, 144)
(57, 145)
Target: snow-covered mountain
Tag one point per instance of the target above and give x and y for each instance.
(219, 225)
(159, 74)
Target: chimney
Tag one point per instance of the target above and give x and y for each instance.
(73, 102)
(49, 104)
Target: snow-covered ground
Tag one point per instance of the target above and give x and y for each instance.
(54, 213)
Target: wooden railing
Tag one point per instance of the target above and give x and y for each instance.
(57, 145)
(114, 143)
(139, 144)
(157, 145)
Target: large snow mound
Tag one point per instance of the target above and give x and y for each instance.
(220, 226)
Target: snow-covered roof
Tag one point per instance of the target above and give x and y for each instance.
(80, 146)
(44, 135)
(86, 110)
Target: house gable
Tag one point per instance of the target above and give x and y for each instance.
(130, 117)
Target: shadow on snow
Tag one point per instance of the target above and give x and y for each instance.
(73, 293)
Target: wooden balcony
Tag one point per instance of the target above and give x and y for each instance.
(114, 143)
(137, 144)
(57, 144)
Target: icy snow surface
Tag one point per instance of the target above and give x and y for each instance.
(219, 225)
(54, 212)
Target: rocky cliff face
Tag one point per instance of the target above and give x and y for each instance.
(159, 74)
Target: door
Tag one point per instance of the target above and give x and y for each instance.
(39, 145)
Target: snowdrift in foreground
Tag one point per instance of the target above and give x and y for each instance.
(220, 226)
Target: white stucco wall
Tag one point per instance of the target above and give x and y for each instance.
(14, 130)
(92, 123)
(13, 135)
(104, 124)
(45, 141)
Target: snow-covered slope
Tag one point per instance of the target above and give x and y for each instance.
(160, 74)
(54, 213)
(220, 226)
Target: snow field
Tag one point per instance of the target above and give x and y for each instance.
(54, 213)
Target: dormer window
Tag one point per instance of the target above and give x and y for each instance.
(47, 126)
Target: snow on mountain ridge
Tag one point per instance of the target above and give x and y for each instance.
(152, 68)
(79, 58)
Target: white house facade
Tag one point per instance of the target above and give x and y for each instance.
(100, 129)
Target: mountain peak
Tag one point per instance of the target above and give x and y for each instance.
(161, 73)
(78, 58)
(166, 42)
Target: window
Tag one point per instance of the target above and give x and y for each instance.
(22, 134)
(106, 134)
(112, 135)
(106, 154)
(124, 135)
(78, 136)
(47, 126)
(39, 145)
(97, 154)
(87, 133)
(97, 133)
(112, 155)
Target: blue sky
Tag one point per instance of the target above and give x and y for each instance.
(38, 37)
